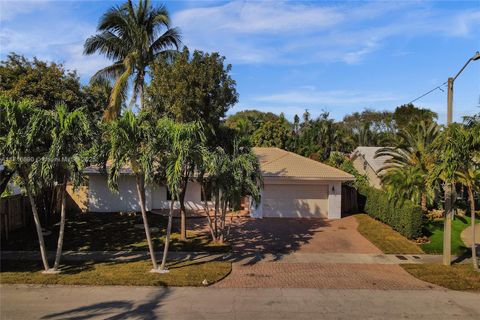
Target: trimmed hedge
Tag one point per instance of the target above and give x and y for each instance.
(406, 218)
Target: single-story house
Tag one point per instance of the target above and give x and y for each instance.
(363, 159)
(294, 186)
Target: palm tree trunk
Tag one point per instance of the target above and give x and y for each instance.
(183, 213)
(222, 221)
(141, 197)
(215, 217)
(62, 224)
(423, 202)
(472, 213)
(207, 212)
(167, 238)
(36, 218)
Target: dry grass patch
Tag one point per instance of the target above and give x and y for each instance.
(189, 273)
(456, 277)
(384, 237)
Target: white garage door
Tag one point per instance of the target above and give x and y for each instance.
(295, 200)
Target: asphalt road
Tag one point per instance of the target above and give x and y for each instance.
(113, 302)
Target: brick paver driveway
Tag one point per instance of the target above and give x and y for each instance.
(254, 240)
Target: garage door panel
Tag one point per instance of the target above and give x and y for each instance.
(295, 200)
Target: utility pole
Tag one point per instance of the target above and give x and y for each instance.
(447, 226)
(449, 187)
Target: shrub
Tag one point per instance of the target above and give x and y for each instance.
(404, 217)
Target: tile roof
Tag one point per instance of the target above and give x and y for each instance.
(275, 162)
(368, 153)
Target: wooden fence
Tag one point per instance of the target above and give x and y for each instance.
(15, 213)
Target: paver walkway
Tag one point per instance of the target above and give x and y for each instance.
(320, 275)
(467, 238)
(312, 253)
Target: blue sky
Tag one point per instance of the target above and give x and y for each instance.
(291, 55)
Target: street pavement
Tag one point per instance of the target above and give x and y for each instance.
(111, 302)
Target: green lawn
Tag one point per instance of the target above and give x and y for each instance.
(384, 237)
(434, 231)
(111, 232)
(456, 277)
(189, 273)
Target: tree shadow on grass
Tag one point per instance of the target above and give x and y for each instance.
(116, 310)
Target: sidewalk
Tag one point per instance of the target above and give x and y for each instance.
(114, 302)
(324, 258)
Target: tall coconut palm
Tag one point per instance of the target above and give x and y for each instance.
(411, 159)
(133, 36)
(22, 143)
(68, 132)
(129, 143)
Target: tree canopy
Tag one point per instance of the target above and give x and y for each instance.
(193, 87)
(44, 84)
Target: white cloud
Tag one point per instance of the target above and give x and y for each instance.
(261, 17)
(313, 97)
(64, 44)
(299, 33)
(10, 9)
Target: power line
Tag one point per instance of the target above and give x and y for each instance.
(427, 93)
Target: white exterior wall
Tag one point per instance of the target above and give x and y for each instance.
(334, 200)
(193, 197)
(102, 199)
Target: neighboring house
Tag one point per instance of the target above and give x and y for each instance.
(364, 161)
(294, 186)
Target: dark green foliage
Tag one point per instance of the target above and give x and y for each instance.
(44, 84)
(248, 121)
(407, 115)
(194, 87)
(272, 134)
(340, 161)
(404, 217)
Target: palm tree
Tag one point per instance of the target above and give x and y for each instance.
(129, 142)
(21, 143)
(181, 140)
(132, 36)
(459, 152)
(412, 159)
(68, 133)
(230, 177)
(470, 178)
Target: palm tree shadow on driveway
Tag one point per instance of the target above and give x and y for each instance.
(254, 240)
